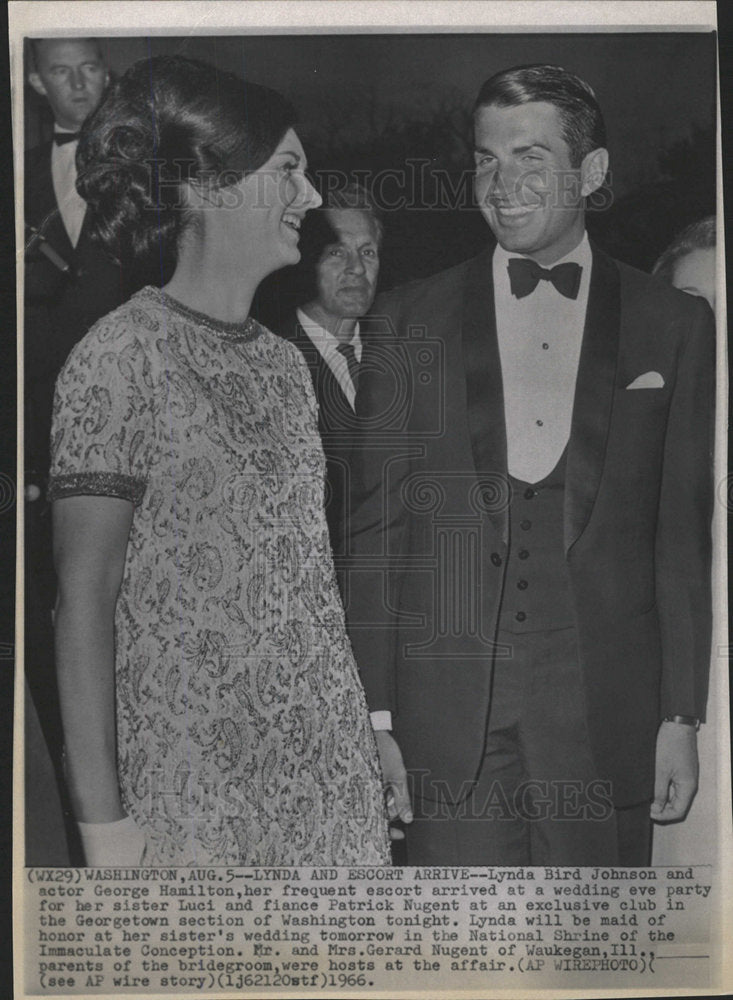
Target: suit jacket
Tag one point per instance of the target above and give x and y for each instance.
(429, 532)
(336, 424)
(58, 310)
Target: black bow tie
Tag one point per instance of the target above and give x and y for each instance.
(525, 274)
(61, 138)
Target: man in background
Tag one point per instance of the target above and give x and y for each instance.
(69, 281)
(340, 264)
(68, 284)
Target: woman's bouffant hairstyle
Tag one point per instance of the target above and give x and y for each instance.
(698, 236)
(583, 127)
(170, 120)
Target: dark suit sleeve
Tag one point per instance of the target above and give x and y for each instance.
(683, 544)
(43, 282)
(375, 534)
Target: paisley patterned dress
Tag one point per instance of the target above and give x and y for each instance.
(243, 735)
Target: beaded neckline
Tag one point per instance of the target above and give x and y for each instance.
(248, 330)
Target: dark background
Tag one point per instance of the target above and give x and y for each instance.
(401, 103)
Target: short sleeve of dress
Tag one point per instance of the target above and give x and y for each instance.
(103, 426)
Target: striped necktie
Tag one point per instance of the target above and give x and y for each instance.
(347, 350)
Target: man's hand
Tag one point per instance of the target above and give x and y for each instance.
(395, 781)
(676, 770)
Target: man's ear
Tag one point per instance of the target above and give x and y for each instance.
(37, 83)
(593, 170)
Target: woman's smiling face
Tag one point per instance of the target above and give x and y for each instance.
(267, 207)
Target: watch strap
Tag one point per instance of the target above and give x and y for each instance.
(683, 720)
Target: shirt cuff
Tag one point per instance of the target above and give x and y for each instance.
(381, 720)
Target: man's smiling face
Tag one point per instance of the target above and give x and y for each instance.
(527, 190)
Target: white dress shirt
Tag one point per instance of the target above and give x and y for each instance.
(540, 337)
(327, 346)
(63, 173)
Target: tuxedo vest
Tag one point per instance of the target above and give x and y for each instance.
(537, 593)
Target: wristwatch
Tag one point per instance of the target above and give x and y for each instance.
(683, 720)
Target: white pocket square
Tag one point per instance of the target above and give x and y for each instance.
(649, 380)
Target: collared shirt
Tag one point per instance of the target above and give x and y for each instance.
(540, 337)
(63, 173)
(539, 344)
(327, 346)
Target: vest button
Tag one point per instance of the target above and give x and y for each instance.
(522, 584)
(496, 558)
(523, 554)
(520, 616)
(530, 494)
(525, 525)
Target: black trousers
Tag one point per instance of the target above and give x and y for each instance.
(538, 799)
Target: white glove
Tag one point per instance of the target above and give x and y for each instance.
(112, 845)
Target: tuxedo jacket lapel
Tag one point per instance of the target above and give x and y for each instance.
(593, 403)
(484, 391)
(40, 203)
(39, 194)
(593, 393)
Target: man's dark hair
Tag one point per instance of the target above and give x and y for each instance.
(353, 195)
(583, 128)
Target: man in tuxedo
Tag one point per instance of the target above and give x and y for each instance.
(339, 269)
(530, 556)
(69, 284)
(69, 281)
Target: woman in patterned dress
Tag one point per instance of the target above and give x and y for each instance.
(212, 708)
